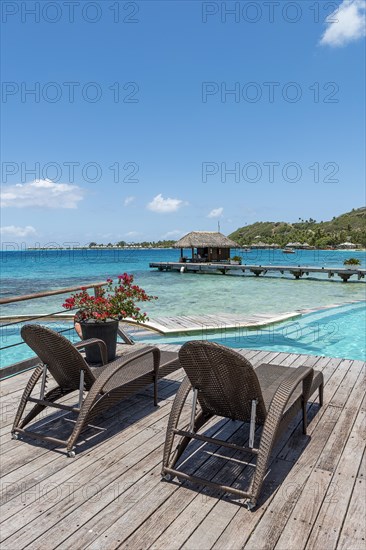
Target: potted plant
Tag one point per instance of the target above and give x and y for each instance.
(352, 261)
(235, 260)
(99, 315)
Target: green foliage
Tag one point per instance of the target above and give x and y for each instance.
(352, 261)
(347, 227)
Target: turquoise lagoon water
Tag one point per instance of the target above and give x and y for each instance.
(25, 272)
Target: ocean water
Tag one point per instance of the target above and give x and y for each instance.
(26, 272)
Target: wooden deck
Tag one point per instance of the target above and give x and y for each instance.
(111, 496)
(216, 322)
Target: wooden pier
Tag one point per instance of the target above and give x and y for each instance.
(297, 271)
(111, 495)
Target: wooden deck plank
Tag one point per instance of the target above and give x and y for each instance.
(327, 527)
(114, 523)
(23, 479)
(207, 323)
(111, 495)
(122, 472)
(221, 508)
(207, 531)
(362, 469)
(334, 447)
(12, 459)
(296, 531)
(233, 536)
(353, 534)
(321, 482)
(272, 523)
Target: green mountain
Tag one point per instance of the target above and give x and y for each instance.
(346, 227)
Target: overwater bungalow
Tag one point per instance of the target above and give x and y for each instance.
(348, 246)
(206, 246)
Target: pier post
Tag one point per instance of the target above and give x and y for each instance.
(297, 274)
(344, 276)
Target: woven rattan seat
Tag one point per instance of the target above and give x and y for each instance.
(98, 388)
(225, 384)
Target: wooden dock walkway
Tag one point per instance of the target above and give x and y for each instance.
(297, 271)
(216, 322)
(111, 495)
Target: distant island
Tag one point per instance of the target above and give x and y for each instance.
(347, 229)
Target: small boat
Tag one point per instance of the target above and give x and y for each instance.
(288, 251)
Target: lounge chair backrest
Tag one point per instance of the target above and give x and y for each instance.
(226, 381)
(62, 359)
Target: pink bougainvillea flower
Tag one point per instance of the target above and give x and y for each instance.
(114, 302)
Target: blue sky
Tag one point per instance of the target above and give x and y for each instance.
(131, 132)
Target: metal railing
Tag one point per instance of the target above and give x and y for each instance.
(16, 321)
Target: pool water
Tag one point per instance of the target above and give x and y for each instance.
(334, 332)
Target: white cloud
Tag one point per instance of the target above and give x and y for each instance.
(128, 200)
(132, 234)
(216, 212)
(161, 205)
(41, 193)
(172, 235)
(16, 231)
(345, 24)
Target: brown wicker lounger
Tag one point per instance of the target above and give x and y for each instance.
(105, 385)
(225, 384)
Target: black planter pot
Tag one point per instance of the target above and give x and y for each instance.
(106, 331)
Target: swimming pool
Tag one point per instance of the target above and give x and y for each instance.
(332, 332)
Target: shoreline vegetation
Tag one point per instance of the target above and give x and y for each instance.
(345, 232)
(140, 247)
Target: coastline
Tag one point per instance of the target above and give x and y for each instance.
(137, 247)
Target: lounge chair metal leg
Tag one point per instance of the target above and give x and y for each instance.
(27, 392)
(252, 423)
(250, 504)
(81, 388)
(155, 390)
(193, 412)
(321, 394)
(50, 396)
(304, 417)
(43, 382)
(174, 417)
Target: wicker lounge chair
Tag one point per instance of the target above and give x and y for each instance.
(104, 385)
(225, 384)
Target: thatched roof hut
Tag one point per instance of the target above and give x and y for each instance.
(201, 239)
(210, 245)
